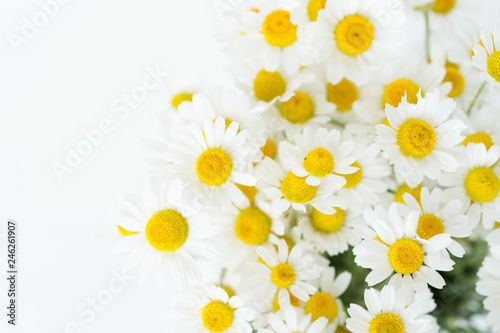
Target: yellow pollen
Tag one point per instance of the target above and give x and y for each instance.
(493, 64)
(429, 225)
(230, 292)
(294, 301)
(249, 191)
(181, 97)
(253, 226)
(283, 275)
(268, 85)
(482, 184)
(394, 91)
(214, 167)
(295, 189)
(454, 76)
(269, 149)
(255, 10)
(406, 256)
(343, 94)
(416, 138)
(321, 305)
(167, 230)
(217, 316)
(319, 162)
(386, 323)
(354, 34)
(353, 179)
(443, 6)
(314, 7)
(341, 329)
(415, 192)
(298, 109)
(479, 137)
(278, 30)
(327, 223)
(125, 232)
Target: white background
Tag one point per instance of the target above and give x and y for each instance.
(64, 81)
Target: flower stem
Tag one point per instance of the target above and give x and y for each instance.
(480, 90)
(427, 37)
(222, 274)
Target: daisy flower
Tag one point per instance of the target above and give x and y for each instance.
(435, 219)
(181, 88)
(487, 58)
(211, 161)
(165, 234)
(285, 272)
(292, 320)
(482, 127)
(286, 190)
(420, 140)
(215, 311)
(349, 38)
(476, 184)
(489, 286)
(319, 155)
(388, 310)
(397, 249)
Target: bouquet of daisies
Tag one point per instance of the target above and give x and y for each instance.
(349, 184)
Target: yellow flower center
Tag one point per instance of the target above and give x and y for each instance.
(252, 226)
(319, 162)
(230, 292)
(343, 94)
(454, 76)
(181, 97)
(214, 167)
(416, 138)
(125, 232)
(482, 184)
(386, 323)
(443, 6)
(341, 329)
(321, 305)
(217, 316)
(406, 256)
(353, 179)
(479, 137)
(393, 92)
(298, 109)
(283, 275)
(415, 192)
(493, 65)
(294, 301)
(268, 85)
(249, 191)
(327, 223)
(278, 30)
(167, 230)
(429, 225)
(314, 7)
(269, 149)
(354, 34)
(295, 189)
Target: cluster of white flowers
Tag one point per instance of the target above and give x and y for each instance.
(358, 126)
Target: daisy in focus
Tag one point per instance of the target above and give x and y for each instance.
(165, 234)
(421, 140)
(487, 58)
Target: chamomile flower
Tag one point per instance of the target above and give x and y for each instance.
(211, 161)
(285, 272)
(388, 310)
(487, 58)
(165, 234)
(477, 184)
(398, 249)
(420, 140)
(215, 312)
(348, 37)
(436, 219)
(319, 155)
(292, 320)
(482, 127)
(286, 190)
(181, 88)
(489, 286)
(307, 11)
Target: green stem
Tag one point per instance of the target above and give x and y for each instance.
(335, 122)
(480, 90)
(293, 215)
(222, 274)
(427, 37)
